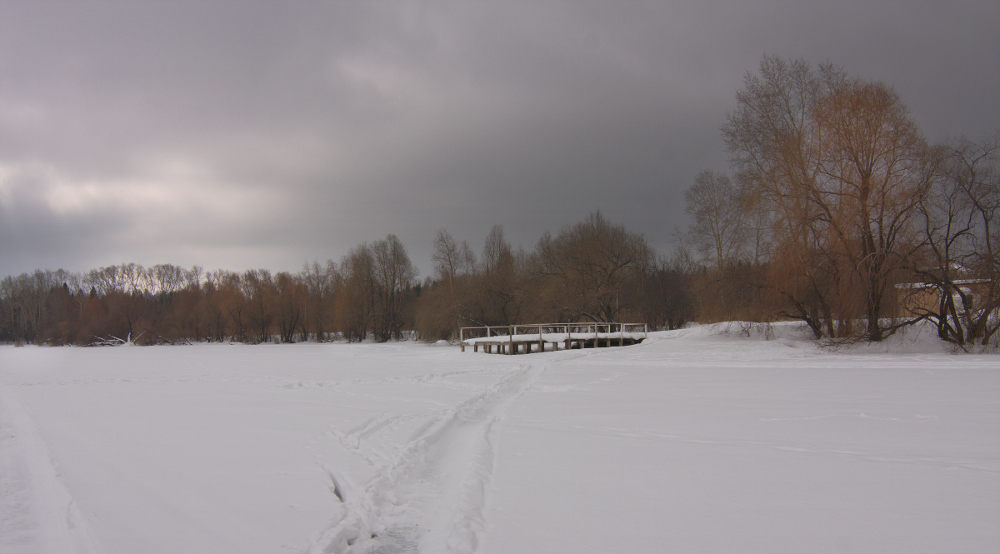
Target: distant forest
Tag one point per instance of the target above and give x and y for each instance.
(838, 213)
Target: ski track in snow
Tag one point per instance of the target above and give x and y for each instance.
(39, 512)
(431, 496)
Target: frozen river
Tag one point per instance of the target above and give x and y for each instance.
(693, 441)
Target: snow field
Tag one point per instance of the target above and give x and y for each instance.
(694, 441)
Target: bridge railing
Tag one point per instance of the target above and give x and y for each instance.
(580, 329)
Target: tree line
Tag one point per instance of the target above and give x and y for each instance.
(837, 213)
(595, 270)
(367, 294)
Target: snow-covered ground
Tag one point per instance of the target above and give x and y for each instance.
(693, 441)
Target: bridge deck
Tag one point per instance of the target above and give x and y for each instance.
(567, 336)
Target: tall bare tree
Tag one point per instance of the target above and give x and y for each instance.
(961, 263)
(766, 137)
(291, 296)
(450, 258)
(500, 282)
(355, 302)
(720, 229)
(447, 300)
(261, 295)
(394, 278)
(320, 282)
(842, 168)
(874, 169)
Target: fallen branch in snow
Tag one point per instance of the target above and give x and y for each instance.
(112, 340)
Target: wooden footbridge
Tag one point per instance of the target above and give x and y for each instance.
(524, 339)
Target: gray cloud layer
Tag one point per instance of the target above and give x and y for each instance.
(241, 135)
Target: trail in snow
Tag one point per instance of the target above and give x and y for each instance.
(39, 515)
(432, 494)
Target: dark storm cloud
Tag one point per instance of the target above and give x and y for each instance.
(241, 135)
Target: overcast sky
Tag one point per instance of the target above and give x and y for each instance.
(237, 135)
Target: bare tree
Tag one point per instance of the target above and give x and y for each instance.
(394, 276)
(166, 278)
(291, 299)
(499, 282)
(451, 259)
(375, 281)
(766, 136)
(595, 268)
(874, 170)
(667, 300)
(842, 168)
(354, 303)
(320, 282)
(231, 304)
(447, 299)
(960, 270)
(261, 294)
(720, 229)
